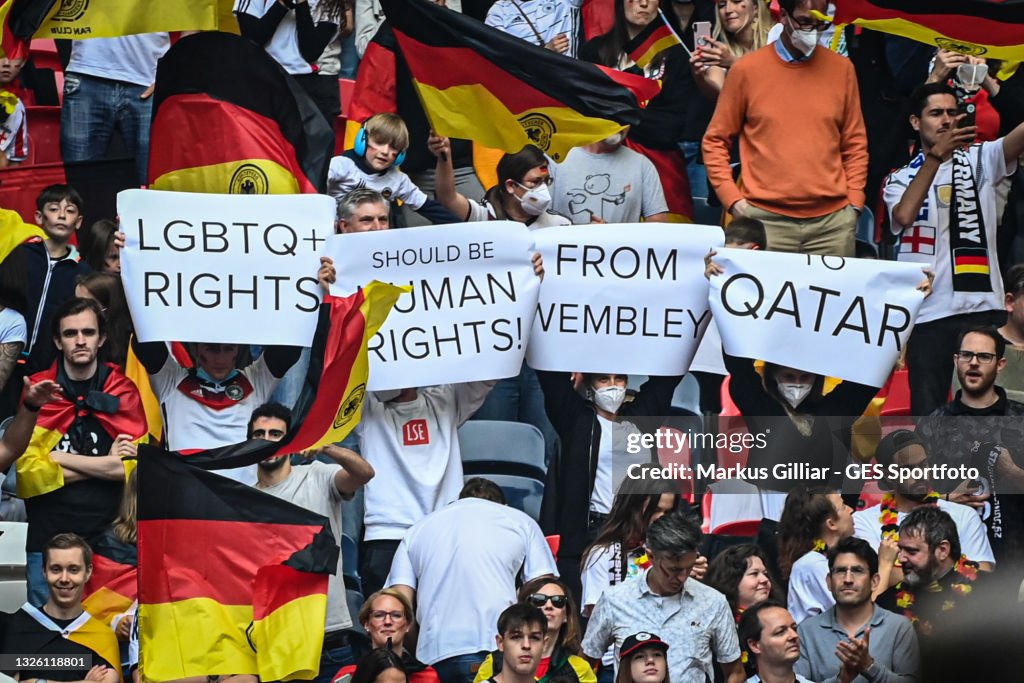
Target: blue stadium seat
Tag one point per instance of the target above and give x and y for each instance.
(522, 493)
(498, 447)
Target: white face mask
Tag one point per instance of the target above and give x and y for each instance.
(386, 395)
(615, 139)
(805, 40)
(971, 75)
(609, 398)
(794, 393)
(535, 201)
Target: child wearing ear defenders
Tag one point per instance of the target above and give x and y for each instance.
(373, 163)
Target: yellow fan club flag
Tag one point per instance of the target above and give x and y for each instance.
(14, 231)
(112, 18)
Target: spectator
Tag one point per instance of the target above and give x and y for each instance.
(380, 666)
(369, 16)
(14, 139)
(812, 522)
(108, 86)
(809, 203)
(19, 432)
(552, 25)
(607, 182)
(856, 640)
(72, 474)
(561, 658)
(521, 629)
(61, 627)
(741, 27)
(387, 616)
(618, 552)
(331, 63)
(290, 35)
(522, 193)
(53, 266)
(106, 290)
(13, 331)
(921, 198)
(1013, 330)
(362, 210)
(318, 487)
(121, 541)
(770, 633)
(696, 618)
(458, 599)
(593, 431)
(938, 581)
(740, 573)
(666, 118)
(643, 659)
(879, 524)
(99, 248)
(373, 163)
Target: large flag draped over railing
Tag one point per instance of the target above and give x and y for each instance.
(479, 83)
(983, 28)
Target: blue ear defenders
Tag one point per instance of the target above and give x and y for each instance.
(360, 147)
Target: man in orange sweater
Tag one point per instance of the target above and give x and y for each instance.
(795, 108)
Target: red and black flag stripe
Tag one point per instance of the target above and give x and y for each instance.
(479, 83)
(113, 586)
(231, 580)
(984, 28)
(227, 119)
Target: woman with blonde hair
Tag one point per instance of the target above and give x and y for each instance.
(741, 26)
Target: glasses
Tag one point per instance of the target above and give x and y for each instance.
(968, 356)
(539, 600)
(534, 184)
(803, 25)
(380, 615)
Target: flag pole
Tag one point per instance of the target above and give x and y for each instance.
(678, 37)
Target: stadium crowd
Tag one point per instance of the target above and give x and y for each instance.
(794, 134)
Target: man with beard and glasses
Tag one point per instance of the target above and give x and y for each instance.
(318, 487)
(879, 524)
(856, 640)
(939, 582)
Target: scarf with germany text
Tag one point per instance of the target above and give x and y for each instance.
(968, 241)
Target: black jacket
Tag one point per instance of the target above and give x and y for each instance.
(50, 283)
(570, 479)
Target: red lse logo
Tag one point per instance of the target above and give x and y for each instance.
(414, 433)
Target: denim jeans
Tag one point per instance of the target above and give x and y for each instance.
(695, 168)
(38, 590)
(93, 108)
(288, 389)
(332, 660)
(520, 399)
(461, 668)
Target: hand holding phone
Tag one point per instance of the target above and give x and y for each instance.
(701, 32)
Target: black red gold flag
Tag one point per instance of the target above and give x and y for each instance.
(983, 28)
(331, 402)
(656, 37)
(234, 579)
(113, 586)
(479, 83)
(227, 119)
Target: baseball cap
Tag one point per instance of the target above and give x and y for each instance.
(640, 640)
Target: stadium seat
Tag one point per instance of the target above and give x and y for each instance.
(704, 214)
(12, 565)
(350, 563)
(43, 134)
(554, 542)
(897, 400)
(741, 527)
(522, 493)
(43, 52)
(687, 395)
(502, 447)
(346, 87)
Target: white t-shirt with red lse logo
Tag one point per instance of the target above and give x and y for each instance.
(414, 450)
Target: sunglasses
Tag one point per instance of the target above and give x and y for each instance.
(539, 599)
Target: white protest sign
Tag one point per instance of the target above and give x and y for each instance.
(628, 298)
(472, 302)
(223, 268)
(846, 318)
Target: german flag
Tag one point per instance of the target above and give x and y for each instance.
(14, 232)
(375, 90)
(111, 18)
(11, 45)
(479, 83)
(113, 586)
(269, 136)
(117, 408)
(970, 261)
(652, 41)
(231, 580)
(984, 28)
(331, 403)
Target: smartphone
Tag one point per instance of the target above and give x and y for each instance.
(701, 32)
(968, 109)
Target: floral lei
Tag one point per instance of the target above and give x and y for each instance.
(890, 516)
(968, 573)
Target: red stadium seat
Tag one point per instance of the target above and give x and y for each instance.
(742, 527)
(897, 400)
(19, 186)
(44, 135)
(44, 54)
(346, 87)
(554, 542)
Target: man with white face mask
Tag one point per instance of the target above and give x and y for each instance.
(594, 422)
(606, 182)
(795, 108)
